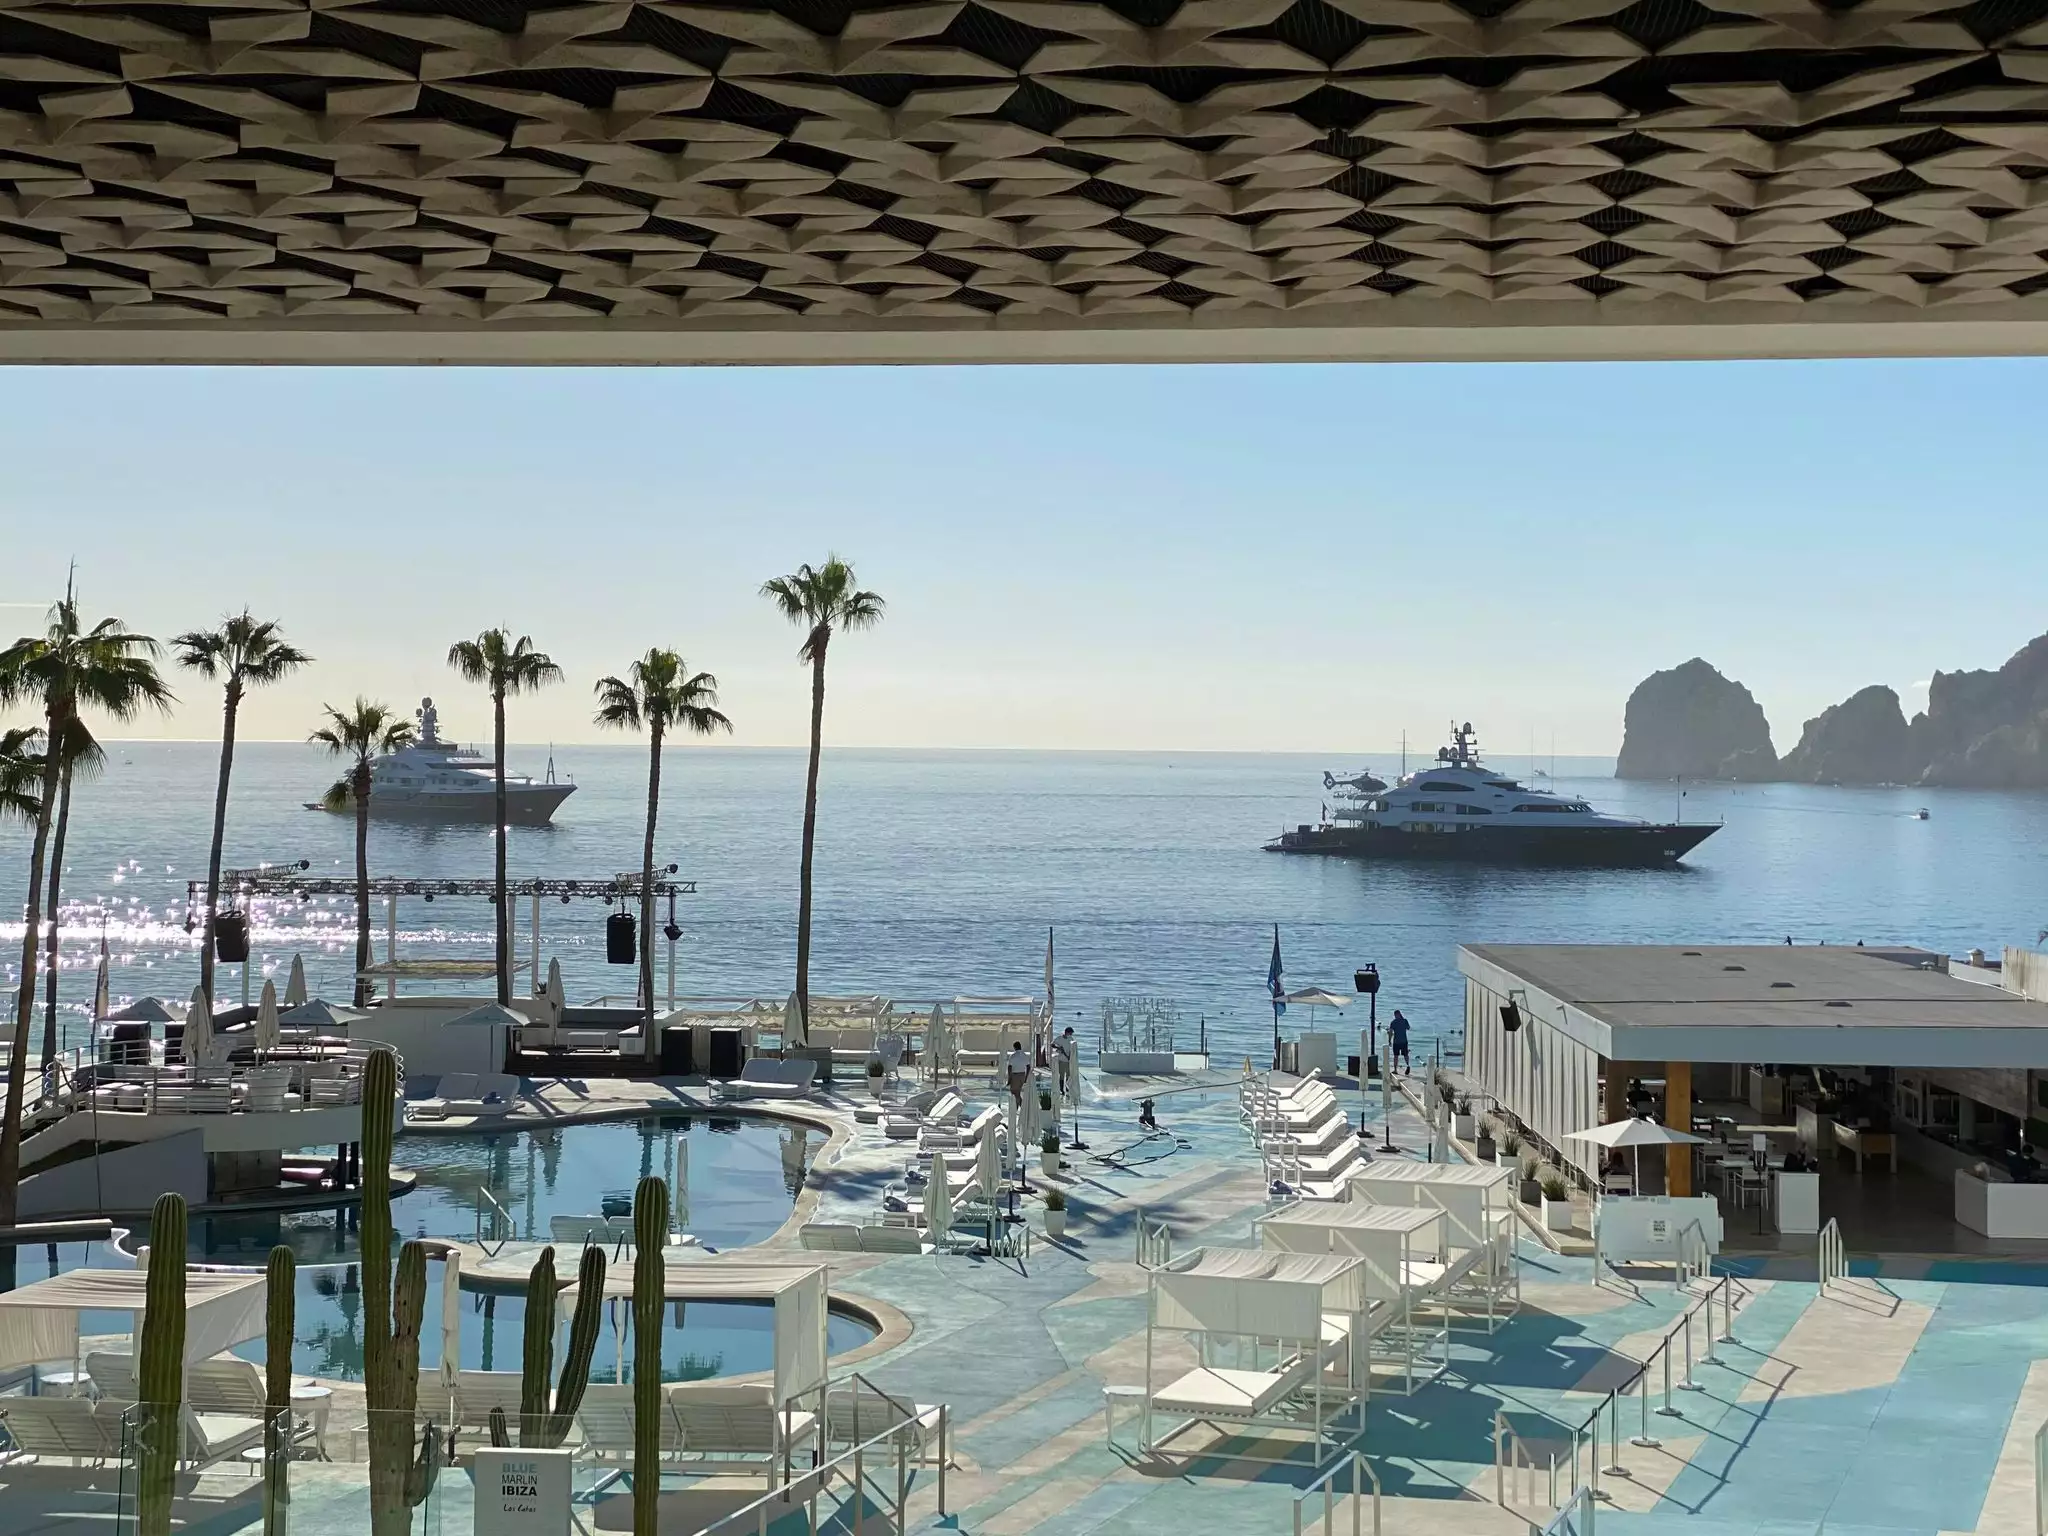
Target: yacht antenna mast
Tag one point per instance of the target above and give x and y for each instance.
(1404, 754)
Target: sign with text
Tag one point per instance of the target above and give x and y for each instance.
(521, 1492)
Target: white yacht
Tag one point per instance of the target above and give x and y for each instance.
(1458, 809)
(436, 780)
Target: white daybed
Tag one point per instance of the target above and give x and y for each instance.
(1484, 1281)
(763, 1077)
(1276, 1343)
(1407, 1331)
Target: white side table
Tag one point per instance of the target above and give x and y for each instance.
(65, 1383)
(1113, 1396)
(313, 1404)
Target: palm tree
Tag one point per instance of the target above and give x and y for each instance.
(83, 757)
(505, 666)
(362, 732)
(657, 692)
(242, 653)
(64, 669)
(21, 771)
(817, 600)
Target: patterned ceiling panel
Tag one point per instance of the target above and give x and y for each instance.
(1012, 163)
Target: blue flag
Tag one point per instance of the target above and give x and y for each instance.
(1273, 983)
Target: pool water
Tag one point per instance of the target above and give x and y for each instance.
(733, 1181)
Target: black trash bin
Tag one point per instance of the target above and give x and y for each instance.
(677, 1059)
(725, 1053)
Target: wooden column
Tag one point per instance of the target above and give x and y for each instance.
(1678, 1115)
(1614, 1093)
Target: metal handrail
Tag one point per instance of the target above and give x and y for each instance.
(1154, 1246)
(851, 1466)
(1834, 1259)
(2041, 1479)
(499, 1215)
(1361, 1473)
(1575, 1517)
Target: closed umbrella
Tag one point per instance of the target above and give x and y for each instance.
(266, 1019)
(295, 983)
(558, 999)
(1059, 1097)
(988, 1167)
(935, 1039)
(1635, 1135)
(101, 1003)
(938, 1201)
(1027, 1120)
(795, 1031)
(198, 1030)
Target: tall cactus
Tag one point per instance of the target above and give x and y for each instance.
(541, 1426)
(650, 1246)
(160, 1374)
(391, 1340)
(537, 1359)
(281, 1279)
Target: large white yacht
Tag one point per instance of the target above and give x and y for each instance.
(436, 780)
(1458, 809)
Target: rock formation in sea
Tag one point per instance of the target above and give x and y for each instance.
(1691, 722)
(1986, 730)
(1862, 740)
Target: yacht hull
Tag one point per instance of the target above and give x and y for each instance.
(1609, 847)
(527, 806)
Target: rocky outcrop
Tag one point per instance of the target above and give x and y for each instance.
(1691, 722)
(1862, 740)
(1986, 730)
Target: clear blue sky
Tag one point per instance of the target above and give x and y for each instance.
(1232, 558)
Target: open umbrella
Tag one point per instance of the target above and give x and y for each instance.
(1635, 1135)
(321, 1016)
(295, 983)
(147, 1010)
(938, 1201)
(198, 1045)
(266, 1019)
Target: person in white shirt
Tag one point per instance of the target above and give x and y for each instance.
(1019, 1069)
(1064, 1050)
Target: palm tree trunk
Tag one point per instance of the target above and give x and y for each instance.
(56, 879)
(648, 1045)
(229, 708)
(504, 905)
(361, 788)
(25, 1006)
(803, 899)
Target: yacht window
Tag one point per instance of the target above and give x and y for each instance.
(1561, 806)
(1456, 789)
(1502, 784)
(1427, 807)
(1473, 810)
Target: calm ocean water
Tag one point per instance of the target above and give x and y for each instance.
(939, 873)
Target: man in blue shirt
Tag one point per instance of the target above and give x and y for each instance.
(1397, 1041)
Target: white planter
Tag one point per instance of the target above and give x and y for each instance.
(1557, 1214)
(1507, 1159)
(1461, 1127)
(875, 1085)
(1055, 1223)
(1049, 1164)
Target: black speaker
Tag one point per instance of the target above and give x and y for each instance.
(1510, 1017)
(726, 1056)
(231, 938)
(619, 945)
(677, 1053)
(1367, 981)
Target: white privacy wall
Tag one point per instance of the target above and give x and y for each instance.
(1544, 1078)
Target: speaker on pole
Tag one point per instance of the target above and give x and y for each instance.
(620, 947)
(231, 938)
(1510, 1016)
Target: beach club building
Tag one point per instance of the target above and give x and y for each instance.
(1907, 1085)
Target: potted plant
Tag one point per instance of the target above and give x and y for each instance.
(1483, 1144)
(1509, 1153)
(1530, 1192)
(1045, 1101)
(875, 1078)
(1055, 1213)
(1049, 1154)
(1461, 1119)
(1557, 1203)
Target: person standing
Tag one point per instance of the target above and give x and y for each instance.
(1065, 1049)
(1397, 1042)
(1019, 1070)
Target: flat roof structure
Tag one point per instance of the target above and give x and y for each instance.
(1824, 1005)
(414, 181)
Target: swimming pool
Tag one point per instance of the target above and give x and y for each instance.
(733, 1181)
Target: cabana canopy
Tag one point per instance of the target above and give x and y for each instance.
(1257, 1294)
(40, 1321)
(799, 1293)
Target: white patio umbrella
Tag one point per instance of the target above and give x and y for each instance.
(795, 1031)
(493, 1016)
(988, 1167)
(935, 1038)
(319, 1014)
(1059, 1098)
(558, 999)
(198, 1045)
(266, 1019)
(1635, 1135)
(101, 1003)
(148, 1010)
(938, 1201)
(295, 983)
(1028, 1121)
(1313, 998)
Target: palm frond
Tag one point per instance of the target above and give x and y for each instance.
(244, 649)
(618, 704)
(822, 599)
(339, 796)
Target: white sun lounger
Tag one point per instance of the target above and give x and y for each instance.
(737, 1425)
(454, 1088)
(606, 1420)
(68, 1427)
(763, 1077)
(1217, 1394)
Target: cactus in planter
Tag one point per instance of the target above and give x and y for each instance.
(160, 1370)
(281, 1278)
(650, 1245)
(539, 1425)
(392, 1309)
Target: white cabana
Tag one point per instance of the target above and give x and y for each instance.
(295, 983)
(39, 1322)
(267, 1019)
(1307, 1310)
(1408, 1328)
(799, 1292)
(198, 1037)
(1479, 1226)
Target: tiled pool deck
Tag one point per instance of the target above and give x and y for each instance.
(1901, 1404)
